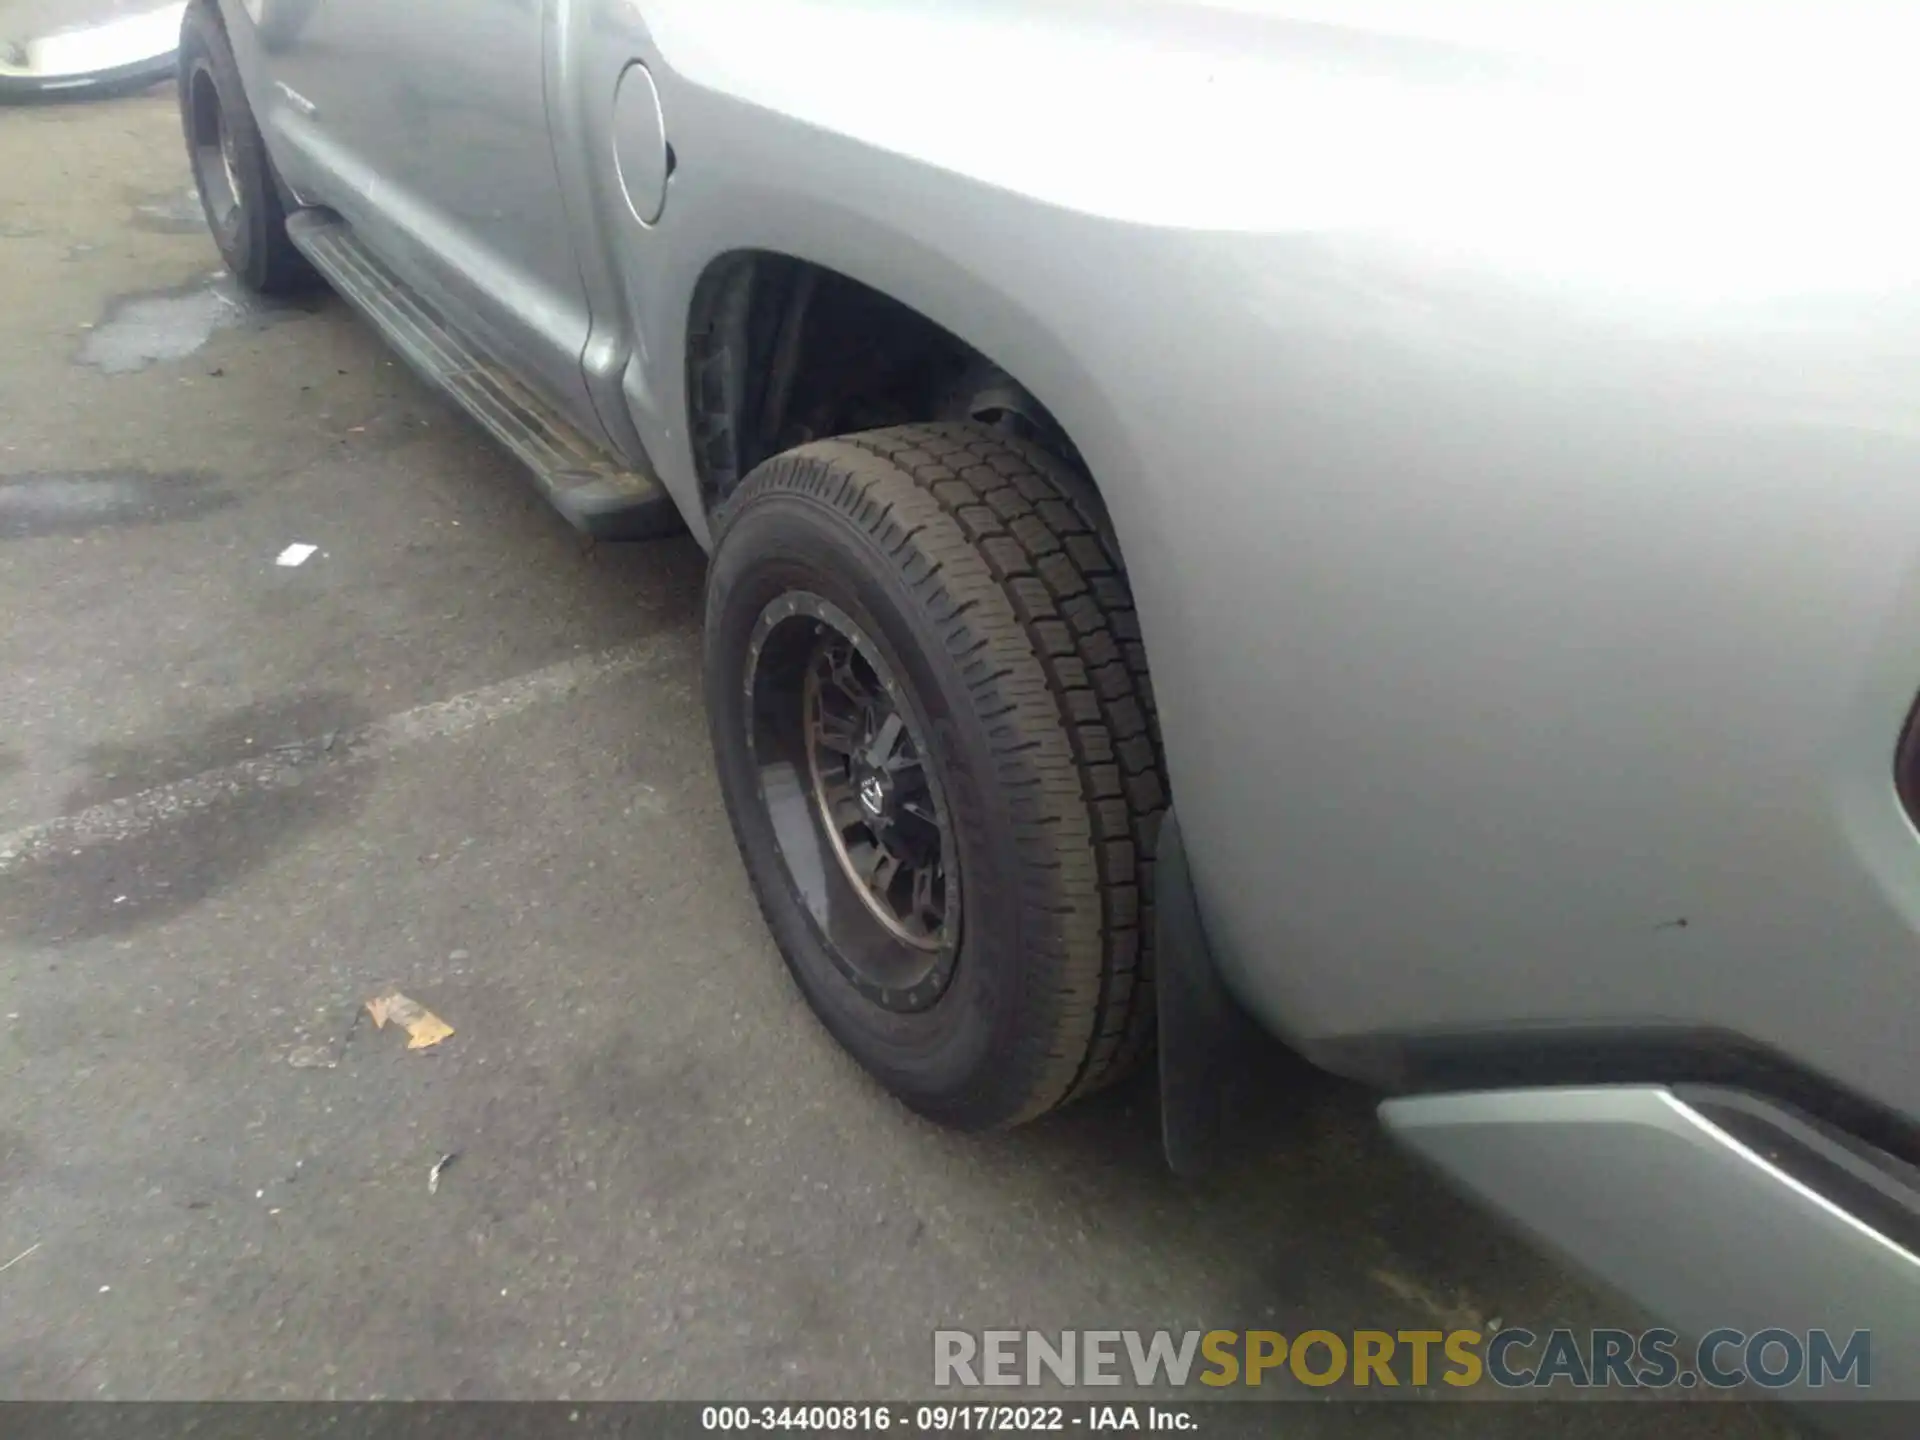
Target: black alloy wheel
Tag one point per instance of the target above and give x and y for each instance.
(857, 809)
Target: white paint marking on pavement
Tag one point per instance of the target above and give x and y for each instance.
(21, 1256)
(122, 819)
(296, 554)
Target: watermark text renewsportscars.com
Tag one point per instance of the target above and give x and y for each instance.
(1511, 1358)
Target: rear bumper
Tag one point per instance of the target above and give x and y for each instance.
(1711, 1208)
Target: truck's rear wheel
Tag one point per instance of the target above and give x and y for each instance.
(935, 736)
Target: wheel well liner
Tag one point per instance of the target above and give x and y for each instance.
(781, 351)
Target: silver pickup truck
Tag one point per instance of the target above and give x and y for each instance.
(1392, 524)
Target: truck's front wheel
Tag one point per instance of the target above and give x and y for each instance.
(232, 171)
(936, 741)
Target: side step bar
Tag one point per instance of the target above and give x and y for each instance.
(594, 490)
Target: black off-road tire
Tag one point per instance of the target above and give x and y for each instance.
(984, 570)
(252, 233)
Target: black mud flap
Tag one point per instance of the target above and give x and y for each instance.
(1209, 1045)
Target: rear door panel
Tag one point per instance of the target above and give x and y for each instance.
(425, 124)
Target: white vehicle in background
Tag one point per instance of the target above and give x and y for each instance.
(80, 49)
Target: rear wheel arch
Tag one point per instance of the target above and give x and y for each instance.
(740, 355)
(765, 354)
(743, 359)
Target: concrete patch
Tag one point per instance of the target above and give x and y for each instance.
(279, 730)
(18, 1158)
(71, 502)
(158, 325)
(121, 864)
(119, 889)
(114, 821)
(168, 212)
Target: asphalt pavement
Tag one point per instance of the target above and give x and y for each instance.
(459, 754)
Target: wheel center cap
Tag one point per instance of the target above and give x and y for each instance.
(873, 795)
